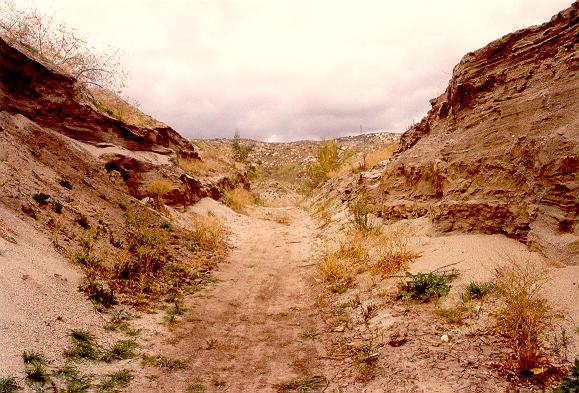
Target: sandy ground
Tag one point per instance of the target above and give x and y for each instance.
(243, 333)
(269, 320)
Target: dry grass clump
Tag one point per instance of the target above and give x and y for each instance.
(238, 199)
(392, 251)
(337, 270)
(377, 156)
(207, 234)
(525, 315)
(157, 189)
(194, 167)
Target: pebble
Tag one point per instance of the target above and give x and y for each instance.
(444, 338)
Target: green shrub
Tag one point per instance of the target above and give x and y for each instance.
(424, 287)
(476, 290)
(360, 210)
(327, 160)
(97, 293)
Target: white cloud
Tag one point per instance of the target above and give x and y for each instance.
(291, 69)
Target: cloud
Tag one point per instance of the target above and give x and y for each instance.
(294, 69)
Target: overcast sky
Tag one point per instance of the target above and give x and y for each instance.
(283, 70)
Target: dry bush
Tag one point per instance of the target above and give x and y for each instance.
(238, 199)
(157, 190)
(525, 315)
(336, 269)
(207, 234)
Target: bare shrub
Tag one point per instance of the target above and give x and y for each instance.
(238, 199)
(524, 317)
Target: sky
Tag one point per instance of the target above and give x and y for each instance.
(283, 70)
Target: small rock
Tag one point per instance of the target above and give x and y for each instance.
(339, 329)
(444, 338)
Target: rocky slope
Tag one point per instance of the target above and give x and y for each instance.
(498, 151)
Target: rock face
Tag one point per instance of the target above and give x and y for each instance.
(498, 151)
(44, 113)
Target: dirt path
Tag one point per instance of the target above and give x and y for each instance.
(249, 330)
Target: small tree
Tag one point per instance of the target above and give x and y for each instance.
(60, 46)
(240, 153)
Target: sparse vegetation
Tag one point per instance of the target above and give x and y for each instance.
(83, 346)
(54, 42)
(196, 387)
(207, 234)
(453, 315)
(327, 160)
(157, 189)
(122, 349)
(161, 361)
(120, 379)
(476, 291)
(301, 385)
(374, 157)
(423, 287)
(361, 218)
(570, 384)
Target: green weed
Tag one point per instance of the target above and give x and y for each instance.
(424, 287)
(123, 349)
(8, 385)
(83, 346)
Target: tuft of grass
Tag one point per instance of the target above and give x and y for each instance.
(122, 205)
(161, 361)
(35, 368)
(301, 385)
(8, 385)
(524, 317)
(422, 287)
(123, 349)
(238, 198)
(57, 206)
(476, 291)
(166, 225)
(196, 387)
(83, 346)
(120, 379)
(65, 183)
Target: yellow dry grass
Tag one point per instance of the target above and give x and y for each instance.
(207, 233)
(377, 156)
(238, 199)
